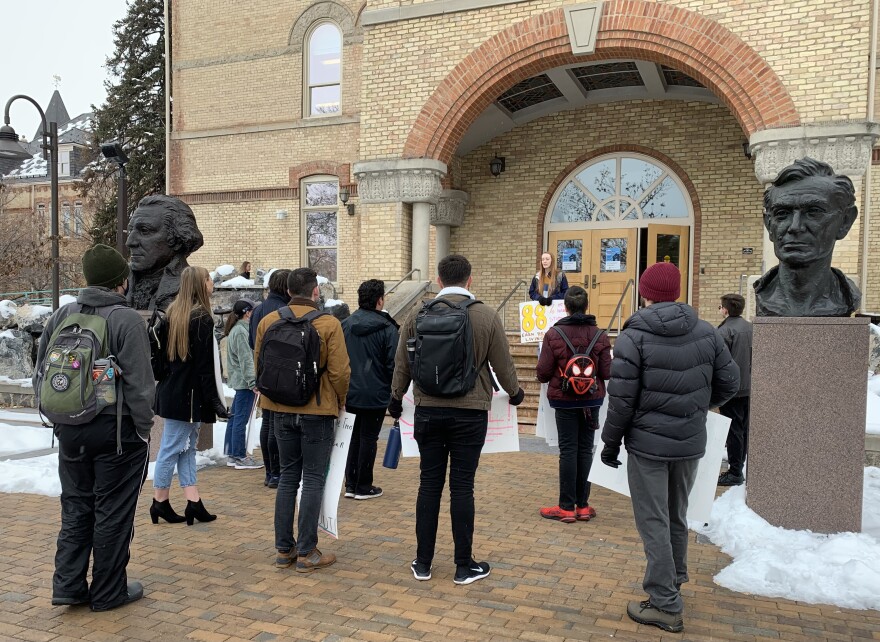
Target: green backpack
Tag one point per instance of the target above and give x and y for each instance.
(78, 377)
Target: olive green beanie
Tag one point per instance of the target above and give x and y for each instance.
(104, 267)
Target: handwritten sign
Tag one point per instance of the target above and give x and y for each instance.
(502, 435)
(535, 320)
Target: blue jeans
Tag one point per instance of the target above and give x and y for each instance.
(304, 445)
(178, 447)
(236, 426)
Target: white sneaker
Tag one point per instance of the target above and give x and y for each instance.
(247, 463)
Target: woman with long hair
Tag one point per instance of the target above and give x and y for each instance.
(241, 378)
(245, 270)
(187, 396)
(548, 285)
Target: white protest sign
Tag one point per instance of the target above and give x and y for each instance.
(535, 320)
(252, 437)
(702, 494)
(546, 424)
(502, 435)
(327, 521)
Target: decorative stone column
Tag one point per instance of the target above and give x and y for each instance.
(409, 180)
(447, 213)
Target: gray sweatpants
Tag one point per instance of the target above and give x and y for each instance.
(659, 491)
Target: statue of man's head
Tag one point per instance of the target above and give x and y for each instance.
(161, 229)
(807, 209)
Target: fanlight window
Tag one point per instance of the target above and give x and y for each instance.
(620, 188)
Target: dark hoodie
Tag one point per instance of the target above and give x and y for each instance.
(669, 368)
(371, 340)
(127, 335)
(273, 303)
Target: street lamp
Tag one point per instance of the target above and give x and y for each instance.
(11, 149)
(114, 153)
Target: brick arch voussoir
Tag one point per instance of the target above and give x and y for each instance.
(639, 29)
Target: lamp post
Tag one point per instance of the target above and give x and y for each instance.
(11, 149)
(114, 153)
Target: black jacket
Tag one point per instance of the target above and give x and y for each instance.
(272, 303)
(737, 334)
(371, 340)
(189, 390)
(669, 368)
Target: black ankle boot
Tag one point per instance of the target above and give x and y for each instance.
(197, 510)
(164, 510)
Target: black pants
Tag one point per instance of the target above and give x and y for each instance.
(738, 436)
(455, 436)
(362, 451)
(269, 445)
(99, 493)
(576, 428)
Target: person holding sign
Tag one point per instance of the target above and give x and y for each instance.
(576, 361)
(548, 284)
(669, 368)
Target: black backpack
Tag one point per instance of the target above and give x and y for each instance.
(442, 361)
(290, 370)
(579, 376)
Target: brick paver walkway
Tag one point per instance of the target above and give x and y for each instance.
(550, 581)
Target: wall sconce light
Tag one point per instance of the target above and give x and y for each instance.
(746, 150)
(497, 166)
(344, 195)
(281, 215)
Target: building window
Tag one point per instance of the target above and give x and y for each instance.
(320, 209)
(323, 70)
(41, 209)
(78, 218)
(65, 219)
(64, 163)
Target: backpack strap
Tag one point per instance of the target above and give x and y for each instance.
(599, 333)
(105, 312)
(288, 315)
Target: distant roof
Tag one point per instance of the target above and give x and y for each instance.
(56, 111)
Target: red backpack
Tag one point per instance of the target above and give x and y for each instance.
(579, 376)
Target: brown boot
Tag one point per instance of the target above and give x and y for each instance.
(314, 560)
(647, 613)
(284, 560)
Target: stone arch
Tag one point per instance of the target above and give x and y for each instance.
(638, 29)
(638, 149)
(324, 10)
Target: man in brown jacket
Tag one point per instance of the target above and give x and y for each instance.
(452, 430)
(305, 433)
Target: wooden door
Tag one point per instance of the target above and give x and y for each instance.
(571, 250)
(614, 260)
(671, 243)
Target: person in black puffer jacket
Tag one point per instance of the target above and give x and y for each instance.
(669, 368)
(371, 339)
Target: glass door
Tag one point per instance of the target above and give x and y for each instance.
(572, 252)
(670, 243)
(614, 260)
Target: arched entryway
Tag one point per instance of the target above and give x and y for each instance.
(629, 29)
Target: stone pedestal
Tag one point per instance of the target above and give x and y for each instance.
(807, 431)
(206, 437)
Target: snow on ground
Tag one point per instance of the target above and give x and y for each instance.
(24, 383)
(7, 308)
(841, 569)
(22, 439)
(872, 422)
(237, 282)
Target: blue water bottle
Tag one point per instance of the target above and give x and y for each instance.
(394, 447)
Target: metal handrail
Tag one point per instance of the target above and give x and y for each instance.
(503, 304)
(405, 277)
(35, 297)
(630, 283)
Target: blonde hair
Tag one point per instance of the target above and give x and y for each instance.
(548, 276)
(192, 297)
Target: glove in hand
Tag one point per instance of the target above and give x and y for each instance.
(517, 399)
(545, 301)
(609, 456)
(395, 408)
(221, 411)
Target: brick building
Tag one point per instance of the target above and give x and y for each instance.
(631, 131)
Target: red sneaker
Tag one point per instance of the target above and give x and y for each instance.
(585, 514)
(565, 516)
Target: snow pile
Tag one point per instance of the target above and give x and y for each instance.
(237, 282)
(267, 276)
(7, 309)
(28, 314)
(872, 418)
(24, 383)
(66, 299)
(22, 439)
(7, 334)
(31, 168)
(225, 270)
(332, 303)
(322, 280)
(841, 569)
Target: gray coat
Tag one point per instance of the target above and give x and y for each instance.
(127, 335)
(669, 368)
(737, 334)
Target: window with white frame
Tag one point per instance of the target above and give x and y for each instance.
(320, 217)
(64, 163)
(65, 218)
(323, 70)
(78, 217)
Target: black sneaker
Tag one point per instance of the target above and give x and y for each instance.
(471, 573)
(421, 572)
(729, 479)
(349, 492)
(375, 491)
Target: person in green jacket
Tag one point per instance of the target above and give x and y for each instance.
(240, 377)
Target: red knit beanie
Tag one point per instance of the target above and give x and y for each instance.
(660, 282)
